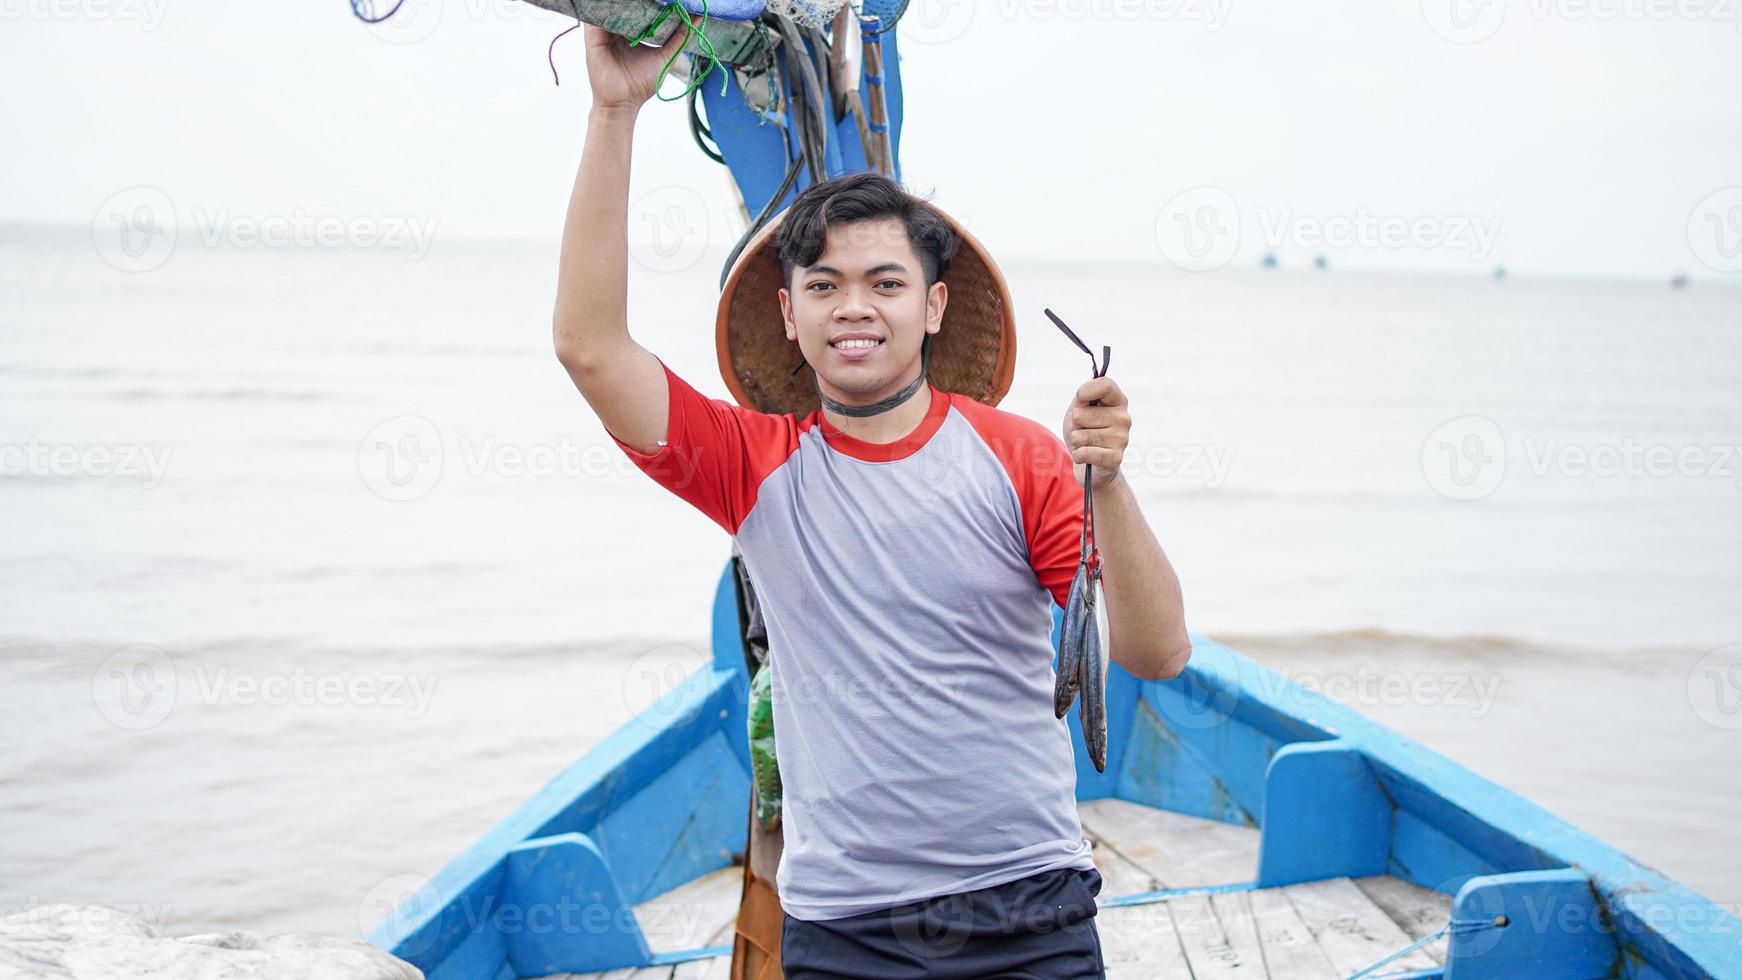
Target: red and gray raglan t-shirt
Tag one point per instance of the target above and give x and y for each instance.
(907, 590)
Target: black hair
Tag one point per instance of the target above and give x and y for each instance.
(799, 240)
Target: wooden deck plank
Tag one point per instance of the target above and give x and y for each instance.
(1119, 875)
(686, 916)
(714, 967)
(1139, 942)
(1313, 931)
(1419, 911)
(1176, 850)
(1352, 930)
(1218, 935)
(700, 912)
(1286, 942)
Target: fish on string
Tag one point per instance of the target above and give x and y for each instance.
(1082, 666)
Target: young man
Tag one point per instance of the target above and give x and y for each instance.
(906, 541)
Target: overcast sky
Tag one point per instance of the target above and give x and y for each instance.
(1550, 136)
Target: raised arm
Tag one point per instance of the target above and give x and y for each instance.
(622, 381)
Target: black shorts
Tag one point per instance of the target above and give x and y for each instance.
(1037, 928)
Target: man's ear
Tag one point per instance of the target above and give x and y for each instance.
(936, 299)
(786, 314)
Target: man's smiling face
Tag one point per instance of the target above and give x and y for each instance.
(868, 284)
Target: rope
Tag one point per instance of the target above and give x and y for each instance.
(365, 11)
(1455, 925)
(890, 26)
(686, 955)
(702, 43)
(1166, 894)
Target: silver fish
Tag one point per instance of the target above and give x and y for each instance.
(1064, 689)
(1092, 667)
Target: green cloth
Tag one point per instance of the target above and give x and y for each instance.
(764, 770)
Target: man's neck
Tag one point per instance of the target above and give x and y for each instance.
(886, 427)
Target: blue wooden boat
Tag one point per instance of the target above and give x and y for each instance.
(1244, 826)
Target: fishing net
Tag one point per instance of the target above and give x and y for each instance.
(764, 769)
(810, 13)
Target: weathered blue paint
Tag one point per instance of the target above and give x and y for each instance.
(1530, 924)
(1325, 815)
(667, 798)
(555, 889)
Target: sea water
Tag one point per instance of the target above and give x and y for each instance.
(313, 564)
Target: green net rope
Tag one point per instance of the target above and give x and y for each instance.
(706, 47)
(765, 773)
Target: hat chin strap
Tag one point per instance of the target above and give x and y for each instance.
(878, 408)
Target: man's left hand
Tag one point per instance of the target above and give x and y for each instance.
(1097, 434)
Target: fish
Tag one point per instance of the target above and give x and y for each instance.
(1064, 689)
(1092, 671)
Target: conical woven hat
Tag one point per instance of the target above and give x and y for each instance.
(973, 352)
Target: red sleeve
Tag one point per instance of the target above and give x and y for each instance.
(1052, 517)
(716, 453)
(1047, 491)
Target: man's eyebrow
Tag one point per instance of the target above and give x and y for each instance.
(876, 270)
